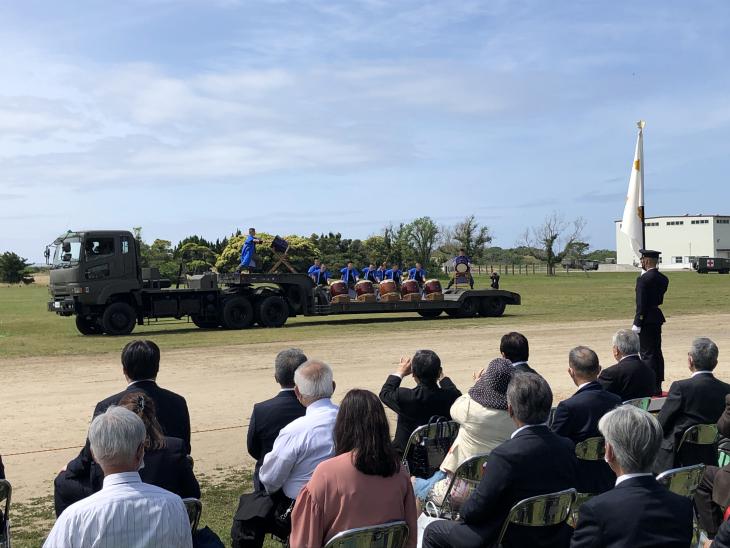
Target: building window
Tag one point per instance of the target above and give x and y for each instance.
(723, 221)
(651, 224)
(700, 221)
(678, 260)
(674, 223)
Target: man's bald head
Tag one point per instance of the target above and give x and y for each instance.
(313, 381)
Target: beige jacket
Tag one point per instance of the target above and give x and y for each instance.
(482, 429)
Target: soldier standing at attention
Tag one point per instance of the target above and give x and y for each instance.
(650, 289)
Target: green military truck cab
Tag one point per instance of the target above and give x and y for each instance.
(705, 265)
(96, 277)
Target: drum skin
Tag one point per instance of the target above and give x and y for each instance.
(387, 286)
(279, 244)
(432, 286)
(461, 264)
(337, 288)
(409, 287)
(364, 287)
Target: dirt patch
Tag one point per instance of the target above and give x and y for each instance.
(47, 402)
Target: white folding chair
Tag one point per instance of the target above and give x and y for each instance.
(433, 440)
(194, 508)
(540, 511)
(682, 481)
(387, 535)
(6, 490)
(465, 480)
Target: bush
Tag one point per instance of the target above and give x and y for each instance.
(14, 268)
(302, 253)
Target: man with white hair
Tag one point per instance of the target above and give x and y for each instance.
(298, 449)
(126, 512)
(638, 511)
(697, 400)
(631, 377)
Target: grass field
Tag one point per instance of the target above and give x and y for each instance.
(26, 329)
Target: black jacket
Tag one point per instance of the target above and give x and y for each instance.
(577, 419)
(630, 378)
(172, 409)
(267, 419)
(168, 468)
(637, 512)
(524, 367)
(697, 400)
(650, 289)
(722, 540)
(535, 462)
(415, 406)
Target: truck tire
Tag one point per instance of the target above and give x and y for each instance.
(88, 326)
(469, 308)
(430, 313)
(491, 307)
(237, 313)
(203, 323)
(118, 319)
(272, 311)
(294, 296)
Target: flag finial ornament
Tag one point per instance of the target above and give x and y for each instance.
(640, 124)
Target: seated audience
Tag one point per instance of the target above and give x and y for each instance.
(166, 463)
(298, 449)
(722, 540)
(415, 406)
(362, 485)
(533, 462)
(515, 348)
(126, 512)
(484, 423)
(270, 416)
(140, 365)
(630, 377)
(577, 417)
(697, 400)
(713, 492)
(638, 511)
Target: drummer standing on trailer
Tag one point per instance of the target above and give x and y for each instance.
(313, 269)
(382, 269)
(321, 276)
(248, 251)
(370, 273)
(650, 289)
(417, 273)
(350, 275)
(394, 273)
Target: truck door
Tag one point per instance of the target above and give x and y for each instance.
(129, 262)
(100, 258)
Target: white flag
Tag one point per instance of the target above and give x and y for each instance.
(632, 223)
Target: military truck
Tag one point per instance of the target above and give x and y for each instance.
(96, 276)
(705, 265)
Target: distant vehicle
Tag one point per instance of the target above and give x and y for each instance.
(704, 265)
(96, 276)
(580, 264)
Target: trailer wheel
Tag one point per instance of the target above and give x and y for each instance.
(273, 311)
(88, 326)
(429, 313)
(237, 313)
(202, 323)
(294, 296)
(469, 308)
(453, 312)
(118, 319)
(491, 307)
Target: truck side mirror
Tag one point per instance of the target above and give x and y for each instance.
(66, 247)
(66, 257)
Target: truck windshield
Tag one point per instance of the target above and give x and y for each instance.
(67, 252)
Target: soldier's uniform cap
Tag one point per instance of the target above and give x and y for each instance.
(650, 253)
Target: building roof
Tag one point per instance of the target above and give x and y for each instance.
(685, 216)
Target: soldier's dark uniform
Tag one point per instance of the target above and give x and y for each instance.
(650, 289)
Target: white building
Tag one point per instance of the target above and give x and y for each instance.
(680, 239)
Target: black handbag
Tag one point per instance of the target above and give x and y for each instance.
(425, 457)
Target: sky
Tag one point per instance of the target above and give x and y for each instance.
(204, 116)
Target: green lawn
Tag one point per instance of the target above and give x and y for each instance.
(26, 329)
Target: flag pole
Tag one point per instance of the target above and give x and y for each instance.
(640, 124)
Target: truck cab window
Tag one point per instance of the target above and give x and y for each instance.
(125, 245)
(67, 252)
(98, 247)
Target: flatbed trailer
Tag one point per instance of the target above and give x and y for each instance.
(96, 277)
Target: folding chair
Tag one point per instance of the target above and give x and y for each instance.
(641, 403)
(656, 404)
(723, 457)
(682, 481)
(540, 511)
(6, 491)
(432, 441)
(699, 434)
(591, 449)
(387, 535)
(467, 477)
(194, 508)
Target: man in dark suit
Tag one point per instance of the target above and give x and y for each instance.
(650, 289)
(638, 511)
(533, 462)
(515, 348)
(415, 406)
(577, 417)
(713, 493)
(270, 416)
(630, 377)
(140, 364)
(697, 400)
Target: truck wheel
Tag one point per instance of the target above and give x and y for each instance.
(118, 319)
(453, 312)
(273, 311)
(429, 313)
(202, 323)
(491, 307)
(88, 326)
(469, 308)
(237, 313)
(294, 296)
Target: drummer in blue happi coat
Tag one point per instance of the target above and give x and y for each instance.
(248, 251)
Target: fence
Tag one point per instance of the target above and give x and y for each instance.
(506, 269)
